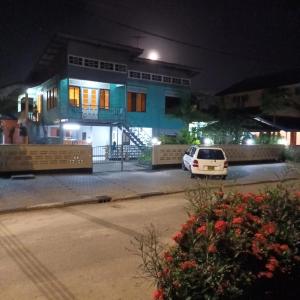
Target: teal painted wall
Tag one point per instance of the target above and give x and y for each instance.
(117, 99)
(49, 116)
(154, 117)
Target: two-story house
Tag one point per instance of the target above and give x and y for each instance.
(272, 100)
(93, 92)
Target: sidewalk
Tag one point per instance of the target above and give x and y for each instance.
(67, 189)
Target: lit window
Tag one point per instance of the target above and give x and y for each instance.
(104, 99)
(85, 98)
(94, 99)
(51, 98)
(74, 96)
(136, 102)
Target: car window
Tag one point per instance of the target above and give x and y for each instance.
(193, 150)
(210, 154)
(188, 151)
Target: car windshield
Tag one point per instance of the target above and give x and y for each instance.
(210, 154)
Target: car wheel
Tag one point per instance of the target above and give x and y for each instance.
(183, 167)
(192, 175)
(224, 177)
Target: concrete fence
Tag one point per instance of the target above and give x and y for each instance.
(26, 158)
(172, 154)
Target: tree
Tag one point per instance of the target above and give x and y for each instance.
(9, 103)
(229, 125)
(275, 99)
(190, 109)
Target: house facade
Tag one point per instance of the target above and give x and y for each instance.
(93, 92)
(273, 101)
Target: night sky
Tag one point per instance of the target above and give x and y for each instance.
(227, 40)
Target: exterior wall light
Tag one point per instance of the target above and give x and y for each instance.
(70, 126)
(155, 141)
(282, 142)
(250, 142)
(208, 141)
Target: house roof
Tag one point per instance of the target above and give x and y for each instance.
(59, 43)
(191, 71)
(281, 123)
(265, 81)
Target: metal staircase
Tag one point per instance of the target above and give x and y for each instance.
(132, 136)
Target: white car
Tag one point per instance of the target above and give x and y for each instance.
(205, 161)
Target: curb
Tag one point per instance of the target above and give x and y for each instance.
(106, 198)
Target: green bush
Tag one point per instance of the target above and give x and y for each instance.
(234, 246)
(292, 153)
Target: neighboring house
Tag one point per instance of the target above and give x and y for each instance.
(91, 92)
(10, 131)
(260, 97)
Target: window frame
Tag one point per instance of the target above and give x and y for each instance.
(73, 104)
(106, 106)
(51, 98)
(178, 102)
(133, 104)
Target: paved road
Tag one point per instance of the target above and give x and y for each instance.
(81, 252)
(56, 189)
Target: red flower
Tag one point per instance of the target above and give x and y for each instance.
(168, 257)
(260, 237)
(269, 228)
(189, 264)
(259, 198)
(265, 274)
(177, 236)
(255, 250)
(165, 272)
(185, 227)
(219, 212)
(272, 264)
(284, 247)
(238, 232)
(220, 226)
(158, 294)
(201, 229)
(237, 220)
(192, 219)
(253, 218)
(224, 206)
(276, 247)
(246, 197)
(240, 209)
(212, 248)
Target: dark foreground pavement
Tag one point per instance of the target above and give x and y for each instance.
(42, 191)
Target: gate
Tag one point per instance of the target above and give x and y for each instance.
(121, 158)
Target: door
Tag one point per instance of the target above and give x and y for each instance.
(89, 103)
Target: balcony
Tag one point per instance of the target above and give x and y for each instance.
(94, 113)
